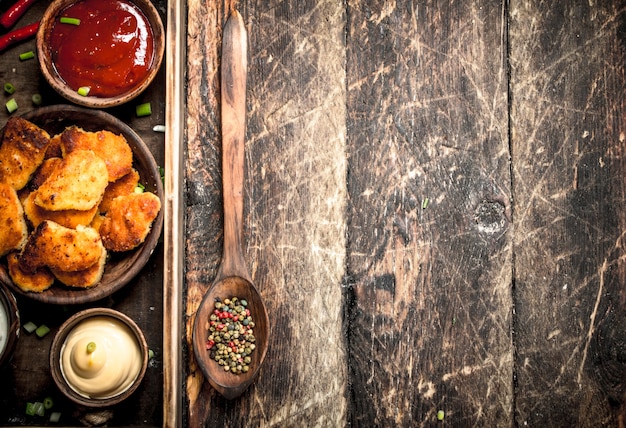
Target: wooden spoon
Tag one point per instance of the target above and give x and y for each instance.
(232, 278)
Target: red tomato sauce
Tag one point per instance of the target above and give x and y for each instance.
(110, 51)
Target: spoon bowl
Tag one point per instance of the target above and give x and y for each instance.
(228, 384)
(233, 279)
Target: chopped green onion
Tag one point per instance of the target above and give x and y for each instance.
(42, 330)
(91, 346)
(139, 188)
(162, 173)
(150, 354)
(83, 91)
(30, 409)
(55, 417)
(11, 105)
(159, 128)
(27, 55)
(69, 20)
(37, 100)
(48, 402)
(38, 408)
(30, 327)
(440, 415)
(9, 88)
(425, 203)
(144, 109)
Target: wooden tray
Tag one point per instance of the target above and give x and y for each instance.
(27, 377)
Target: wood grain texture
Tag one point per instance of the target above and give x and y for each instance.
(295, 194)
(568, 140)
(429, 249)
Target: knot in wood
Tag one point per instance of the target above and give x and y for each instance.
(490, 217)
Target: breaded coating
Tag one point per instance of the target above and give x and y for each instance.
(43, 172)
(39, 281)
(54, 148)
(129, 220)
(77, 183)
(122, 187)
(83, 278)
(111, 148)
(22, 150)
(61, 248)
(68, 218)
(13, 227)
(97, 221)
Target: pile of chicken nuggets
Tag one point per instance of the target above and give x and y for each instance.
(66, 201)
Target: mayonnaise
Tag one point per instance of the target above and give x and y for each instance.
(100, 357)
(4, 327)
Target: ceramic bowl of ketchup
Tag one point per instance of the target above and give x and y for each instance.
(100, 53)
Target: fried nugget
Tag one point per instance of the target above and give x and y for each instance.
(23, 149)
(122, 187)
(61, 248)
(13, 227)
(39, 281)
(68, 218)
(83, 278)
(111, 148)
(77, 183)
(43, 172)
(54, 148)
(129, 220)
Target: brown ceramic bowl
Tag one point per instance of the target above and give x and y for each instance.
(122, 267)
(58, 347)
(46, 56)
(9, 325)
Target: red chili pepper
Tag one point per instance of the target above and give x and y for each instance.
(18, 35)
(15, 12)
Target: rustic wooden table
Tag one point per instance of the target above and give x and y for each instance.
(434, 214)
(435, 210)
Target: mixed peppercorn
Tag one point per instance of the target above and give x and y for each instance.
(231, 335)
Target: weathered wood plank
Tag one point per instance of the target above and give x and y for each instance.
(568, 141)
(429, 251)
(294, 205)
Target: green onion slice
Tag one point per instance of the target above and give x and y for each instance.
(37, 99)
(9, 88)
(83, 91)
(69, 20)
(38, 408)
(144, 109)
(55, 417)
(42, 330)
(27, 55)
(11, 105)
(91, 346)
(30, 327)
(48, 402)
(30, 409)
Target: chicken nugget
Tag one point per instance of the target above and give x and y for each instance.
(43, 172)
(61, 248)
(77, 183)
(129, 220)
(13, 227)
(39, 281)
(54, 148)
(122, 187)
(111, 148)
(86, 278)
(23, 148)
(68, 218)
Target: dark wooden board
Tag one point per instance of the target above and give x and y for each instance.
(294, 204)
(567, 146)
(429, 245)
(27, 378)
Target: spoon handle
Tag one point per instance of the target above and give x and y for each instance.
(233, 100)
